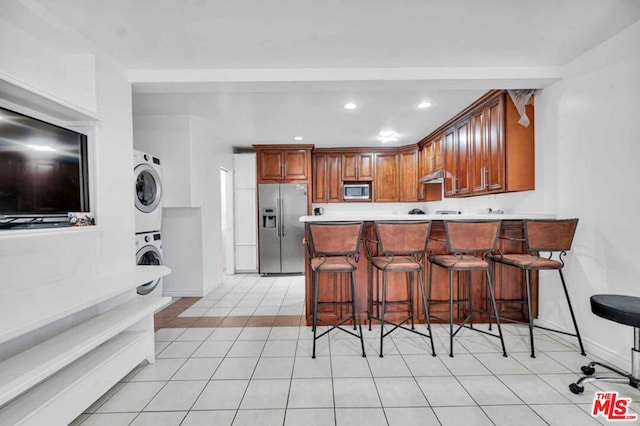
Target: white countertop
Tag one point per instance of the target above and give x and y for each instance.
(372, 216)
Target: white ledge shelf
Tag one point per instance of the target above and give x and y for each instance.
(43, 232)
(21, 372)
(25, 310)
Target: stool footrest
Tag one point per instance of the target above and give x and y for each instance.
(346, 302)
(566, 333)
(334, 326)
(399, 325)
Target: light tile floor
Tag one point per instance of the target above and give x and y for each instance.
(247, 295)
(265, 375)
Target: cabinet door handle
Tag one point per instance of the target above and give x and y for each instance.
(486, 178)
(482, 183)
(454, 184)
(285, 170)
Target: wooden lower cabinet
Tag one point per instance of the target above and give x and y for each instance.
(509, 285)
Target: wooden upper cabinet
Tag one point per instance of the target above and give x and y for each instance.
(487, 151)
(450, 162)
(456, 163)
(430, 159)
(326, 178)
(436, 153)
(386, 186)
(270, 165)
(495, 157)
(487, 141)
(433, 155)
(283, 163)
(295, 164)
(462, 141)
(408, 165)
(357, 166)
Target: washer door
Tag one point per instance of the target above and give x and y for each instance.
(148, 189)
(148, 255)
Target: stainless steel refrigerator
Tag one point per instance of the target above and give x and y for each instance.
(281, 234)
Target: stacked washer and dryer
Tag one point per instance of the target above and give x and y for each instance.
(148, 200)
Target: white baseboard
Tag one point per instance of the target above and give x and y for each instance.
(182, 293)
(592, 348)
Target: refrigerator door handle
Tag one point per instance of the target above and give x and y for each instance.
(282, 216)
(278, 217)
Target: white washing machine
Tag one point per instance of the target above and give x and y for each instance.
(149, 252)
(147, 179)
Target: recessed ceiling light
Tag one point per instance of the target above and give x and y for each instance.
(388, 136)
(350, 105)
(298, 138)
(424, 105)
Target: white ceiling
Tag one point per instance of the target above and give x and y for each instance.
(271, 70)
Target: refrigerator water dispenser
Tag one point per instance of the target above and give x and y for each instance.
(269, 218)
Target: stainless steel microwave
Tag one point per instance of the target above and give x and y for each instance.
(356, 191)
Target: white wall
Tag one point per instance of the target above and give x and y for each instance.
(40, 53)
(30, 43)
(588, 122)
(168, 138)
(210, 153)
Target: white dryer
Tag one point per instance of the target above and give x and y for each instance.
(149, 252)
(147, 179)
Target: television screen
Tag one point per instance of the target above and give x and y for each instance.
(43, 168)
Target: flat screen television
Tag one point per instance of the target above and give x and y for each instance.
(43, 172)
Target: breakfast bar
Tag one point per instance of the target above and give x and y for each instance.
(508, 283)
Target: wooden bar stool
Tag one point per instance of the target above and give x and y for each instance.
(400, 248)
(334, 248)
(543, 235)
(466, 239)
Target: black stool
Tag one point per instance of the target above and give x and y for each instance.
(624, 310)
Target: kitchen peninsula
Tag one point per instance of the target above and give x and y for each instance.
(508, 282)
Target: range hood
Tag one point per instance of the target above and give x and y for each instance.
(434, 177)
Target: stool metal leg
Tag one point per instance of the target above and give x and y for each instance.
(382, 306)
(470, 299)
(353, 303)
(527, 274)
(315, 311)
(495, 310)
(451, 313)
(573, 317)
(410, 283)
(635, 354)
(426, 310)
(428, 306)
(356, 312)
(370, 296)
